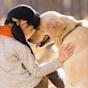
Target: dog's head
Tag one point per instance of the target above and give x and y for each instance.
(53, 25)
(57, 25)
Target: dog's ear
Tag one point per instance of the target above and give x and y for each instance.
(70, 24)
(56, 28)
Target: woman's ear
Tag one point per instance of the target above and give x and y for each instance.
(56, 29)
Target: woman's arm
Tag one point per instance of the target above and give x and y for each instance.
(42, 70)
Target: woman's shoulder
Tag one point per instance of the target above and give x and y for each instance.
(11, 42)
(11, 45)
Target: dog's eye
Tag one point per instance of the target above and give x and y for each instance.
(45, 40)
(30, 40)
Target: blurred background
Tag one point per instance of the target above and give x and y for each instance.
(77, 8)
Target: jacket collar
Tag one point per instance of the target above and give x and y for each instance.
(6, 31)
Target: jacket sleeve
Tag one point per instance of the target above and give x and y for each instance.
(32, 66)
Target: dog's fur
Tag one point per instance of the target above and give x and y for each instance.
(75, 69)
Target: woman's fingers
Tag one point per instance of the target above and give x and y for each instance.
(68, 55)
(68, 46)
(69, 50)
(66, 51)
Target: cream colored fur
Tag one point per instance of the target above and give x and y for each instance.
(76, 68)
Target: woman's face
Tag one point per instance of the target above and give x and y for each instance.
(26, 28)
(30, 33)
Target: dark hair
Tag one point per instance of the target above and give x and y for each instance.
(26, 13)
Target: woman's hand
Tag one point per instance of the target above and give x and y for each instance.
(65, 52)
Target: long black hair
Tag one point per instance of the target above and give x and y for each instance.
(26, 13)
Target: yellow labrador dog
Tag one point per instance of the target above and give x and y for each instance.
(63, 29)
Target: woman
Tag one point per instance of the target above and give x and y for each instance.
(18, 67)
